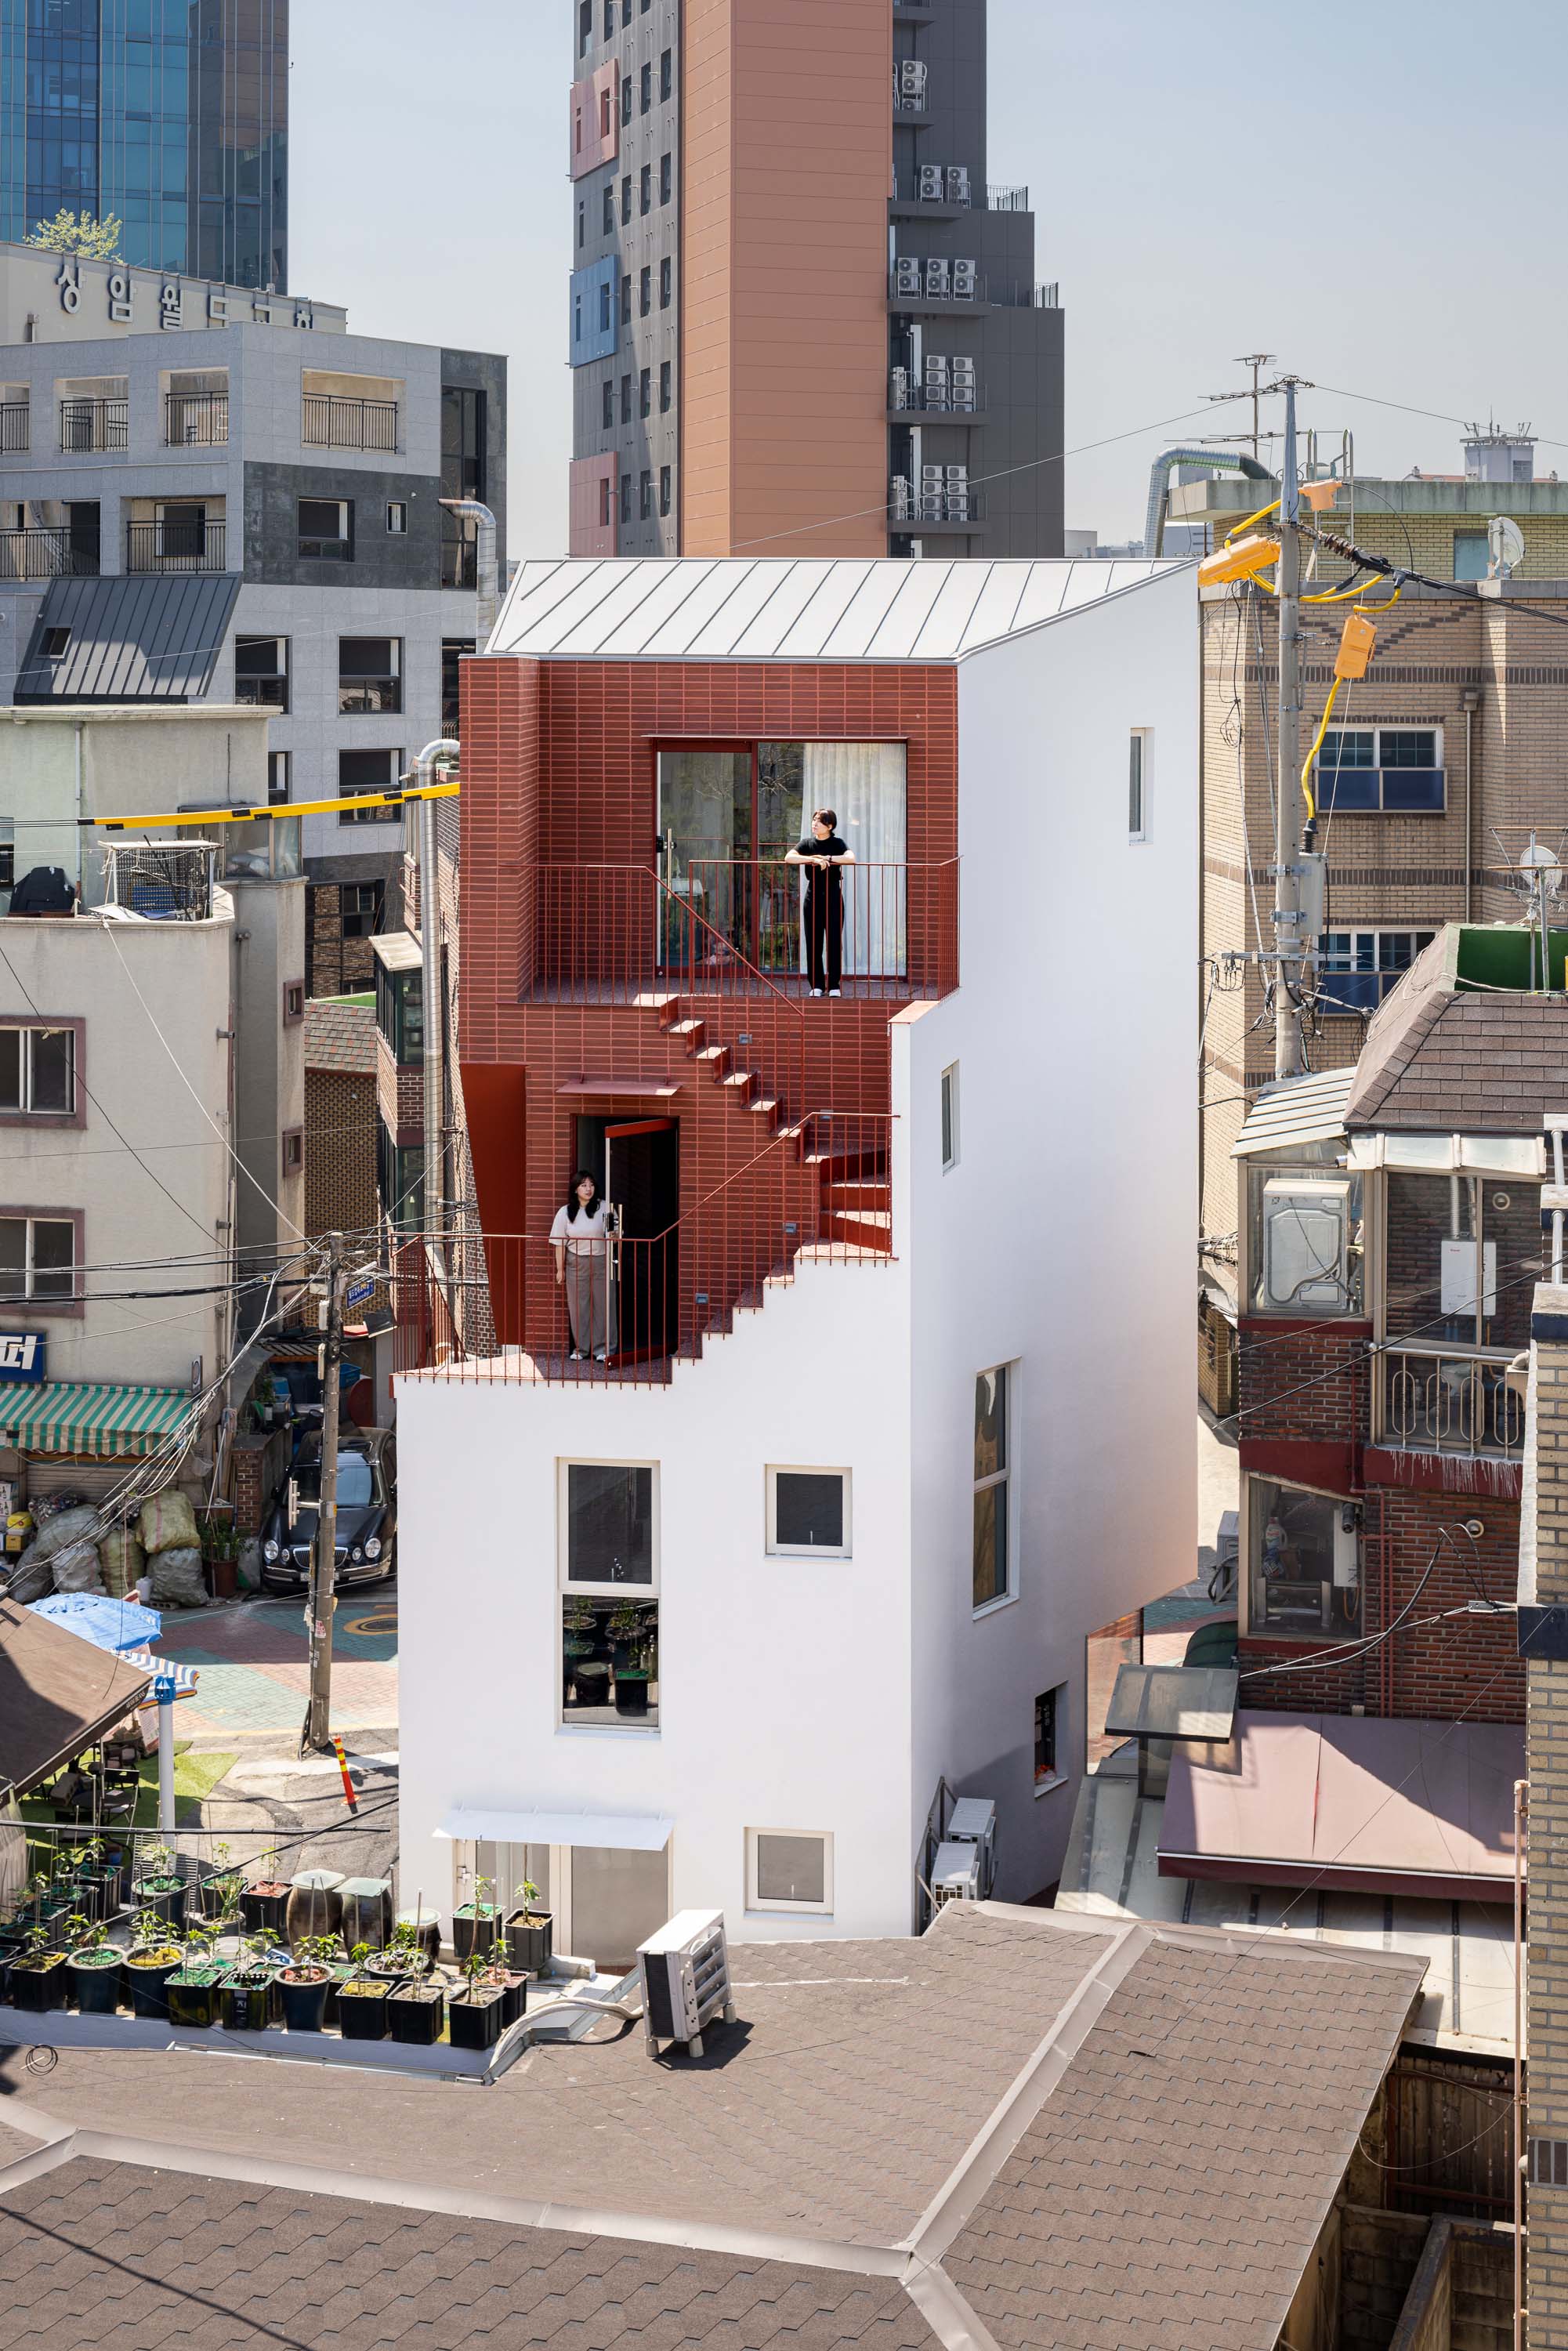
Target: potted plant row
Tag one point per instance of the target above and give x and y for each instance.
(530, 1932)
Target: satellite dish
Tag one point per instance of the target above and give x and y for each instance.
(1505, 544)
(1538, 863)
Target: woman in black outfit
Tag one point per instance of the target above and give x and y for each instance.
(822, 853)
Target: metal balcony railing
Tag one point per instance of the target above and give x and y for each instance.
(94, 423)
(175, 546)
(15, 427)
(917, 288)
(946, 398)
(331, 421)
(45, 554)
(195, 419)
(1451, 1400)
(908, 507)
(1006, 200)
(909, 102)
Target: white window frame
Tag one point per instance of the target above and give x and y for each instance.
(26, 1108)
(47, 1297)
(756, 1901)
(948, 1104)
(776, 1550)
(633, 1727)
(1138, 776)
(397, 518)
(1059, 1697)
(1005, 1477)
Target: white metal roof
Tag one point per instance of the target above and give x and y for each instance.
(1295, 1111)
(790, 608)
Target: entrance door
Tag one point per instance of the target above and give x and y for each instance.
(638, 1163)
(705, 854)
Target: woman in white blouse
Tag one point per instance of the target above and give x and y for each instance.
(581, 1237)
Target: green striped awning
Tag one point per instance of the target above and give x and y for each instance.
(81, 1417)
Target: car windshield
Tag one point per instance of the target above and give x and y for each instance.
(354, 1490)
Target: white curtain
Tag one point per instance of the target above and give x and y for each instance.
(863, 783)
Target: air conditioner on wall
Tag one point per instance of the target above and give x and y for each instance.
(964, 280)
(911, 77)
(931, 184)
(936, 280)
(907, 274)
(957, 184)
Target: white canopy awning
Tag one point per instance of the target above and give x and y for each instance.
(1522, 1156)
(620, 1832)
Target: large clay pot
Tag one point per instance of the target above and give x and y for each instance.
(367, 1911)
(315, 1905)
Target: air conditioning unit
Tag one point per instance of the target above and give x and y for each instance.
(912, 78)
(907, 274)
(957, 184)
(685, 1980)
(1306, 1244)
(898, 504)
(955, 1874)
(936, 278)
(930, 183)
(898, 388)
(965, 281)
(973, 1823)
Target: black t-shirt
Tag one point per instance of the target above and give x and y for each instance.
(831, 847)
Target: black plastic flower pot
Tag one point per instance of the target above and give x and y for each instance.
(362, 2009)
(193, 1995)
(304, 2005)
(245, 2000)
(38, 1985)
(472, 1933)
(416, 2013)
(342, 1970)
(164, 1896)
(530, 1940)
(474, 2019)
(95, 1983)
(514, 1990)
(145, 1982)
(262, 1905)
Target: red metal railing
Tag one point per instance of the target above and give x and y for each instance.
(518, 1309)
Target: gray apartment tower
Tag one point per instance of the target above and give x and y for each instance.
(801, 317)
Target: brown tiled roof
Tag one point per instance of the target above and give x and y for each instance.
(1441, 1060)
(1051, 2135)
(339, 1035)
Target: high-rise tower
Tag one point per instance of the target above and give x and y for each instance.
(172, 114)
(800, 319)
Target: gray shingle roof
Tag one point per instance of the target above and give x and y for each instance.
(1438, 1059)
(1015, 2131)
(339, 1035)
(153, 637)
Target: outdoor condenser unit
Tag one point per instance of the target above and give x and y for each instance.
(685, 1980)
(1306, 1243)
(931, 184)
(974, 1823)
(906, 272)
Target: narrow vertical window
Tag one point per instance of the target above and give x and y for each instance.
(950, 1115)
(993, 1499)
(1138, 785)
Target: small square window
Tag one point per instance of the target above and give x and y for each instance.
(1138, 785)
(664, 489)
(397, 518)
(293, 1150)
(1050, 1725)
(950, 1115)
(789, 1869)
(56, 643)
(645, 294)
(808, 1514)
(293, 1001)
(666, 280)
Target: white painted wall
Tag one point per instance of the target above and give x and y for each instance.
(1062, 1241)
(801, 1695)
(784, 1683)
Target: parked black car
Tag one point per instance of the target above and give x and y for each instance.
(367, 1514)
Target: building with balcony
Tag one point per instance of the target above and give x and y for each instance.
(151, 1080)
(1438, 767)
(176, 123)
(800, 318)
(202, 433)
(895, 1292)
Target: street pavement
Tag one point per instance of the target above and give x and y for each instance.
(253, 1661)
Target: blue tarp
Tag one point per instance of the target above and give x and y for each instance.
(107, 1623)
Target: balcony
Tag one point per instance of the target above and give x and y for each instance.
(14, 428)
(915, 288)
(910, 106)
(955, 403)
(196, 419)
(44, 554)
(923, 510)
(90, 425)
(1451, 1400)
(331, 421)
(175, 546)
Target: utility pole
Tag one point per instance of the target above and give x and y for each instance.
(1288, 944)
(317, 1732)
(1257, 361)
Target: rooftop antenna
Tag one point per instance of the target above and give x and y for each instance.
(1544, 879)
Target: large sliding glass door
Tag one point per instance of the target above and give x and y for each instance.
(728, 816)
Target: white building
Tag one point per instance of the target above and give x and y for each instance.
(979, 1436)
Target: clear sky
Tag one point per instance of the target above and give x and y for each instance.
(1372, 192)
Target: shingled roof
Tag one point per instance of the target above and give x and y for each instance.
(1441, 1058)
(340, 1035)
(1021, 2132)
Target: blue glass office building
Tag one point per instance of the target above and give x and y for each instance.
(172, 113)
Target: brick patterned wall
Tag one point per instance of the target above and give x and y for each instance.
(339, 1151)
(1305, 1382)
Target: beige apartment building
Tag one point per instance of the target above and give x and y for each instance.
(1436, 768)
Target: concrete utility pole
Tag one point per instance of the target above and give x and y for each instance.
(1287, 942)
(1257, 361)
(317, 1721)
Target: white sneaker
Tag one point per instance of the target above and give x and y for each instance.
(816, 991)
(575, 1356)
(835, 991)
(600, 1356)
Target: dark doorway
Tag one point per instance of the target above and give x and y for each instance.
(638, 1164)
